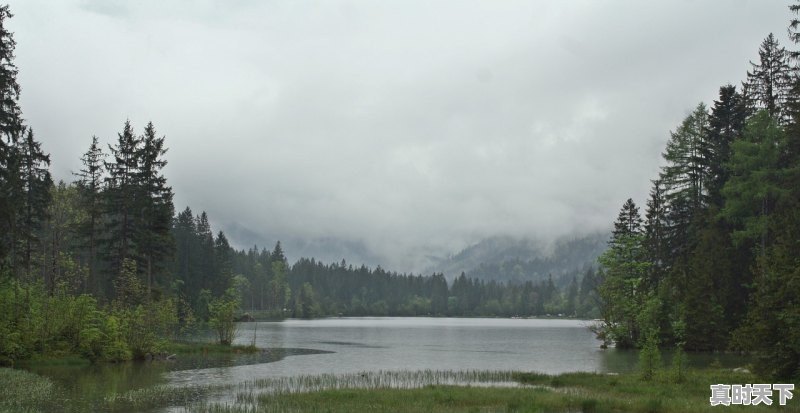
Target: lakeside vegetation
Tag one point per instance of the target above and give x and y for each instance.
(410, 391)
(713, 264)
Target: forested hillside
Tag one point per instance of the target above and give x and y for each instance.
(511, 260)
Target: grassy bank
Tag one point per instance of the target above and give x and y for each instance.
(409, 391)
(487, 392)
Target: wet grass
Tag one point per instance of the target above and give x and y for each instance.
(442, 391)
(21, 391)
(158, 396)
(408, 391)
(368, 380)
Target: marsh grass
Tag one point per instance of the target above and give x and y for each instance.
(404, 379)
(159, 396)
(409, 391)
(22, 391)
(445, 391)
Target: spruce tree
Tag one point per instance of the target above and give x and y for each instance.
(11, 129)
(154, 208)
(629, 221)
(205, 251)
(120, 201)
(186, 253)
(754, 187)
(223, 260)
(655, 243)
(769, 82)
(36, 184)
(625, 268)
(725, 124)
(90, 185)
(683, 178)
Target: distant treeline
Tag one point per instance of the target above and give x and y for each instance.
(341, 289)
(714, 263)
(205, 266)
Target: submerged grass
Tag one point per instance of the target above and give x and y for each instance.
(158, 396)
(191, 347)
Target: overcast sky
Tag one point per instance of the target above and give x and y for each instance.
(413, 127)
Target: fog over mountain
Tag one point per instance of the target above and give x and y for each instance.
(391, 133)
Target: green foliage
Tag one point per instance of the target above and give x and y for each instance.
(680, 365)
(650, 356)
(753, 189)
(115, 348)
(223, 315)
(305, 303)
(625, 269)
(772, 327)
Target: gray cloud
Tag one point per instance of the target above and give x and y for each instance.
(407, 127)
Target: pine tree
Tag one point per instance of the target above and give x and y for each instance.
(625, 270)
(629, 221)
(725, 124)
(769, 82)
(205, 252)
(655, 227)
(754, 187)
(120, 199)
(224, 262)
(11, 129)
(36, 184)
(154, 207)
(90, 185)
(683, 178)
(705, 289)
(772, 326)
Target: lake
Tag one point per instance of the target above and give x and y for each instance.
(392, 343)
(349, 345)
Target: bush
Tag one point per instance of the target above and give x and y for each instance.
(650, 356)
(222, 311)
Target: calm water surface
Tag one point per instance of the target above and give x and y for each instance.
(389, 343)
(348, 345)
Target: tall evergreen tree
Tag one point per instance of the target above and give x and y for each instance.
(683, 178)
(769, 82)
(223, 259)
(628, 222)
(90, 185)
(205, 251)
(754, 186)
(725, 124)
(154, 207)
(655, 227)
(10, 133)
(623, 290)
(36, 183)
(186, 253)
(120, 200)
